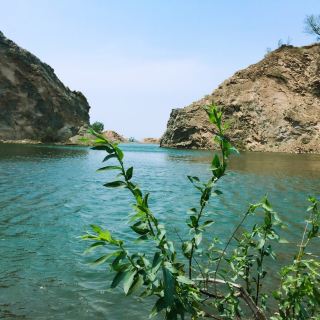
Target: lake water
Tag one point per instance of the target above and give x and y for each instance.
(49, 195)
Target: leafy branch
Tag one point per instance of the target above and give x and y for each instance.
(163, 274)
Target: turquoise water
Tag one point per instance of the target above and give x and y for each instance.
(49, 195)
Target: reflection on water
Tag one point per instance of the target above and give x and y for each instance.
(49, 195)
(19, 151)
(281, 164)
(284, 164)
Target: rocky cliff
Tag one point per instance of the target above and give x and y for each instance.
(273, 105)
(34, 103)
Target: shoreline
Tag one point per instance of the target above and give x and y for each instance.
(66, 144)
(37, 142)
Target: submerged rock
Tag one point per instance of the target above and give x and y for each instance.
(273, 105)
(34, 103)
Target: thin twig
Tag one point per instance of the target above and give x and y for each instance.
(257, 312)
(227, 245)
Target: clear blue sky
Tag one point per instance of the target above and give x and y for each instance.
(136, 60)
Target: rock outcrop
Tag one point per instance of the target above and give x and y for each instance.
(34, 103)
(87, 139)
(151, 140)
(114, 136)
(273, 105)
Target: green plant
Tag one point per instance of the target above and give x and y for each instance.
(222, 283)
(97, 127)
(299, 293)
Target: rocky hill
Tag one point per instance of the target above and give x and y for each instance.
(85, 138)
(273, 105)
(34, 103)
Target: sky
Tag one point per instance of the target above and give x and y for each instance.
(136, 60)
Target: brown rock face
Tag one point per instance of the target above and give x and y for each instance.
(114, 136)
(273, 105)
(151, 140)
(85, 138)
(34, 103)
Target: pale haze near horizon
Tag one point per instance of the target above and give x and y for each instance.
(136, 60)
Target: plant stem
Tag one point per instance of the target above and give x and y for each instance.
(129, 185)
(258, 277)
(194, 241)
(228, 243)
(302, 244)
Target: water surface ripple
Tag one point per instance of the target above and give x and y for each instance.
(49, 195)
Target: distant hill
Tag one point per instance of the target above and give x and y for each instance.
(273, 105)
(34, 103)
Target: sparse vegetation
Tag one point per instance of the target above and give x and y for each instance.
(312, 25)
(97, 127)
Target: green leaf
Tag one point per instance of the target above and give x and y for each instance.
(193, 179)
(129, 173)
(128, 280)
(140, 228)
(233, 150)
(159, 305)
(103, 259)
(115, 184)
(157, 260)
(261, 243)
(215, 162)
(118, 278)
(208, 223)
(95, 228)
(118, 152)
(105, 235)
(109, 168)
(99, 140)
(116, 262)
(145, 200)
(94, 246)
(89, 236)
(194, 221)
(217, 193)
(170, 246)
(109, 156)
(168, 265)
(169, 286)
(103, 147)
(205, 196)
(198, 238)
(137, 284)
(266, 204)
(267, 218)
(186, 248)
